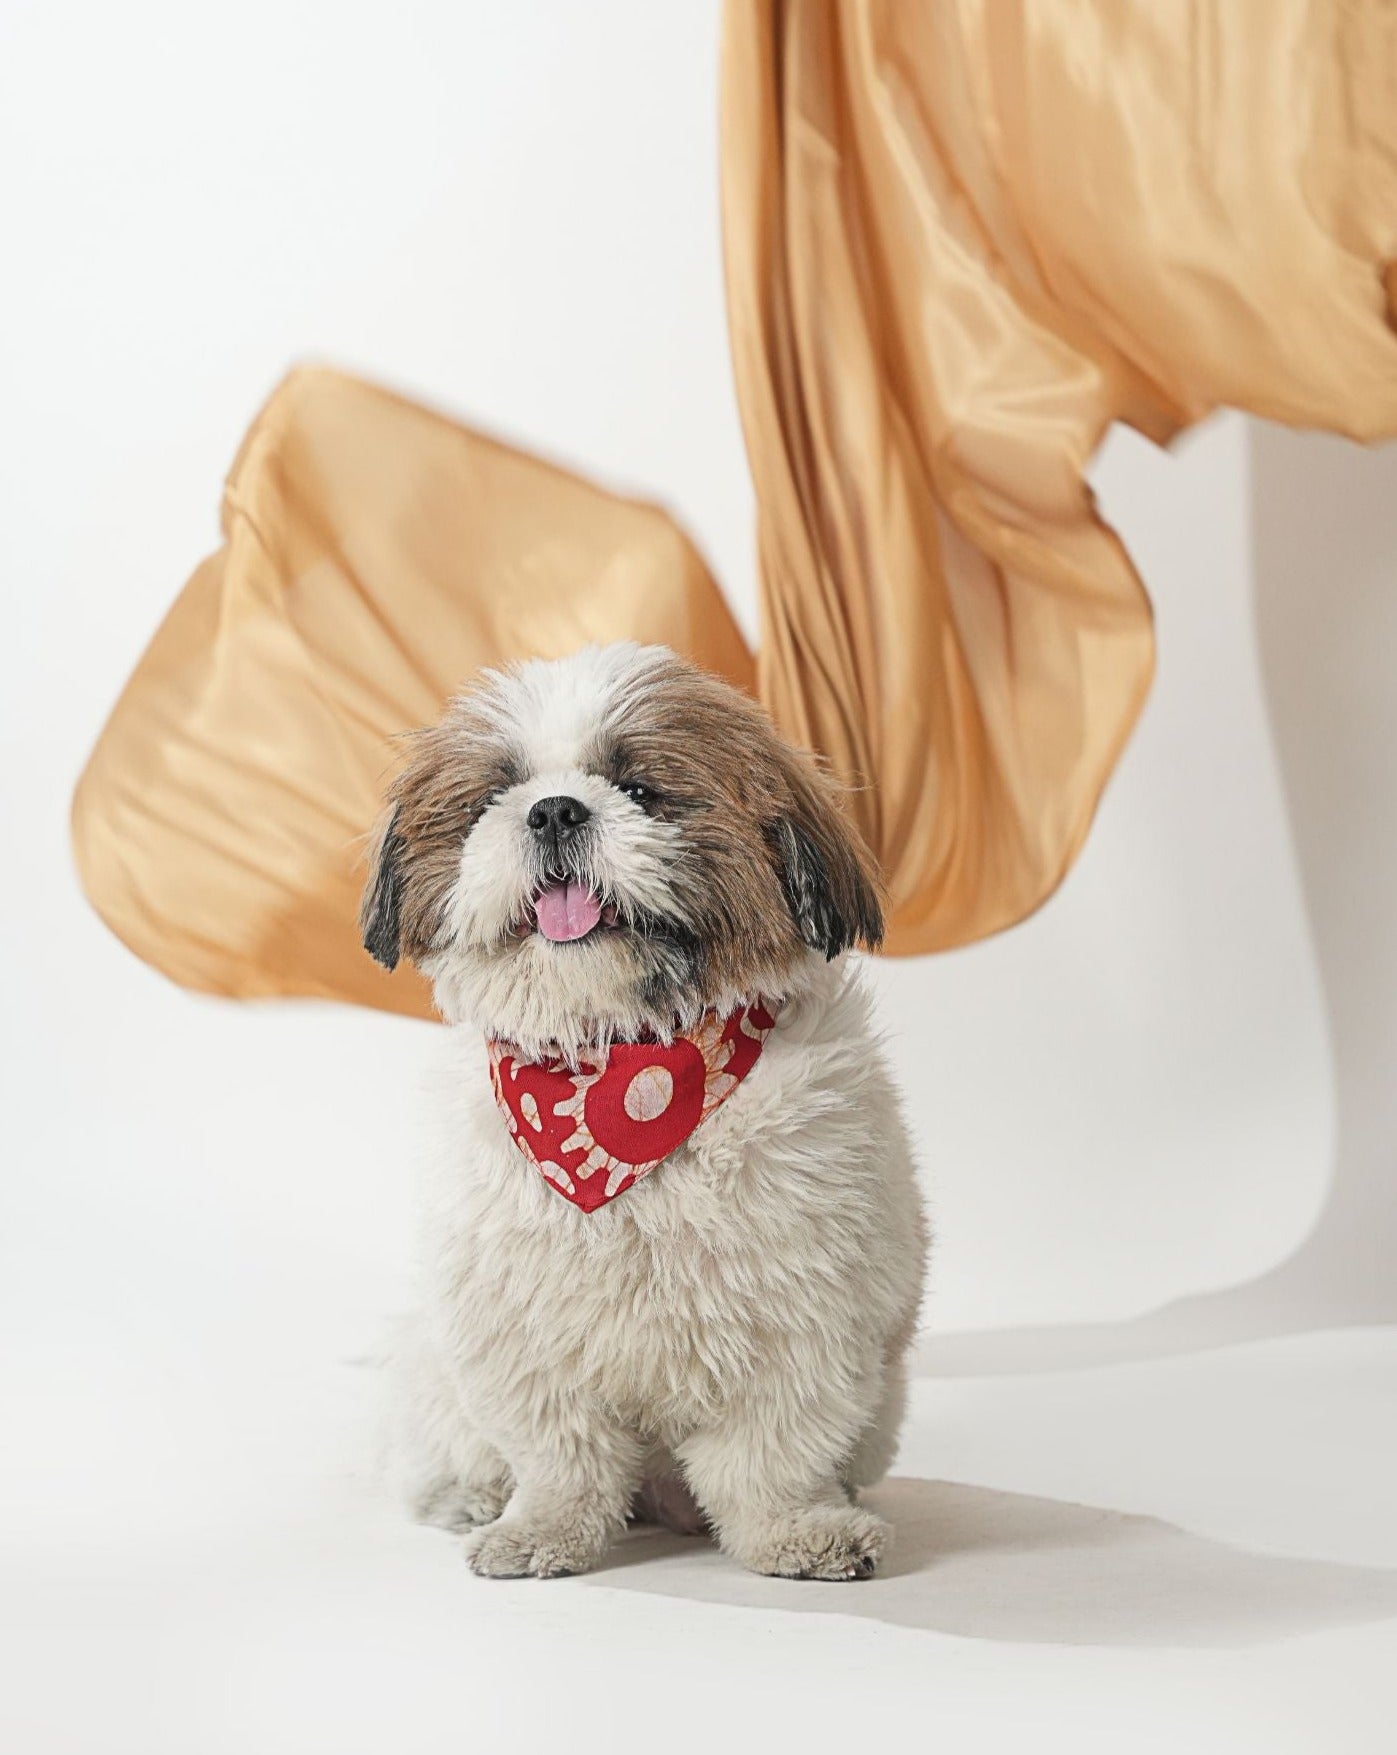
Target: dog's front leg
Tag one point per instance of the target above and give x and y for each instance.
(769, 1477)
(575, 1471)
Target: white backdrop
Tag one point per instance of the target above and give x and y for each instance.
(1147, 1097)
(513, 213)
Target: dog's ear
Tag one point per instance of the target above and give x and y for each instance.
(827, 874)
(380, 912)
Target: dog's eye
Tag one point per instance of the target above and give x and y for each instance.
(637, 790)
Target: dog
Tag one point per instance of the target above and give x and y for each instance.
(673, 1240)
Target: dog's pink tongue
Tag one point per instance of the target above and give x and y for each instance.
(565, 911)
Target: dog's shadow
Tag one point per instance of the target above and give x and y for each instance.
(984, 1564)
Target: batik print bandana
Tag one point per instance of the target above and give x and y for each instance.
(596, 1131)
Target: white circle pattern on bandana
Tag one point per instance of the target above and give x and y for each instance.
(649, 1093)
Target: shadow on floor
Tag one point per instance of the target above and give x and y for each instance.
(981, 1564)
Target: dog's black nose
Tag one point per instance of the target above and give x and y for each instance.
(553, 819)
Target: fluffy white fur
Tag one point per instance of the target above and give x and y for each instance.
(722, 1343)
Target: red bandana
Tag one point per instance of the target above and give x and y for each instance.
(595, 1132)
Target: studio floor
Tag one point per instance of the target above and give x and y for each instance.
(1196, 1553)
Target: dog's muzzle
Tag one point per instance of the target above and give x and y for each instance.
(555, 823)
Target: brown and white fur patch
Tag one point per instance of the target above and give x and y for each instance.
(724, 1343)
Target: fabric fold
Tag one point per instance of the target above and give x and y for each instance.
(961, 240)
(375, 556)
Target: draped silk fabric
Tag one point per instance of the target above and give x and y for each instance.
(374, 557)
(962, 237)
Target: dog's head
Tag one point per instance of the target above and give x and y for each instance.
(610, 843)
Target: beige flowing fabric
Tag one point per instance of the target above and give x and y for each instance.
(962, 238)
(375, 556)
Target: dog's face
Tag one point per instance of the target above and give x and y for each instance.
(610, 843)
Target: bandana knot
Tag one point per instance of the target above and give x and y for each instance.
(594, 1131)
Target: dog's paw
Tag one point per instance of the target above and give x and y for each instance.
(530, 1550)
(459, 1506)
(825, 1541)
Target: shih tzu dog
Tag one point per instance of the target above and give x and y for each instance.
(674, 1242)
